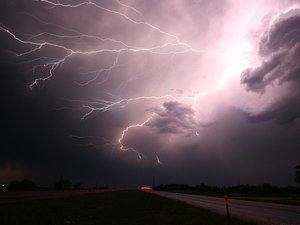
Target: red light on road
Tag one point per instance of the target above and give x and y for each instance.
(146, 188)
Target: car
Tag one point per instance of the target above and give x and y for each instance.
(146, 188)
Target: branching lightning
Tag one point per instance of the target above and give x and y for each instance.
(40, 41)
(122, 147)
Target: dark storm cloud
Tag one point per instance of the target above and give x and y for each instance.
(256, 79)
(280, 53)
(32, 134)
(284, 33)
(43, 144)
(174, 117)
(36, 144)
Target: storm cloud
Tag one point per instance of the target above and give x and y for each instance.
(173, 117)
(279, 70)
(114, 92)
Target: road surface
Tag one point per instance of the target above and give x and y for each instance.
(17, 196)
(259, 212)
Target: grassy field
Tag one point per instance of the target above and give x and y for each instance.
(118, 208)
(286, 199)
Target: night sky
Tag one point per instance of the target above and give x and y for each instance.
(113, 92)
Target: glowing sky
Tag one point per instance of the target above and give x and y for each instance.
(116, 91)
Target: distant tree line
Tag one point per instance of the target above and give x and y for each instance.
(28, 185)
(66, 184)
(239, 189)
(23, 185)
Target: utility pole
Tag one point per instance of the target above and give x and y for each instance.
(153, 181)
(227, 208)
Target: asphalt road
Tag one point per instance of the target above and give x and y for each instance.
(259, 212)
(18, 196)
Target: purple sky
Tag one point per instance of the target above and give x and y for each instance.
(117, 91)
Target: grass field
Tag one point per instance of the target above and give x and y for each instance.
(118, 208)
(286, 199)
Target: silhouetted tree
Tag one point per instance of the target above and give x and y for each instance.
(297, 177)
(24, 185)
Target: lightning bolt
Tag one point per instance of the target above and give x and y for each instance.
(120, 141)
(61, 43)
(158, 160)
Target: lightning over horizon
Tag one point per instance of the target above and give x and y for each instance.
(163, 73)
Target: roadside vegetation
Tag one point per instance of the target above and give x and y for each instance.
(110, 208)
(29, 185)
(239, 189)
(265, 192)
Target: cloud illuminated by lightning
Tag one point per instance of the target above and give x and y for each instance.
(35, 43)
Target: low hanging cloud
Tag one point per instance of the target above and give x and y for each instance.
(173, 117)
(279, 71)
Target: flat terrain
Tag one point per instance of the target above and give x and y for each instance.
(259, 212)
(108, 208)
(18, 196)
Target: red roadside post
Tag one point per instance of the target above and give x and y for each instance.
(227, 208)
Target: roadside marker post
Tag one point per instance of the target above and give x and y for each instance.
(227, 208)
